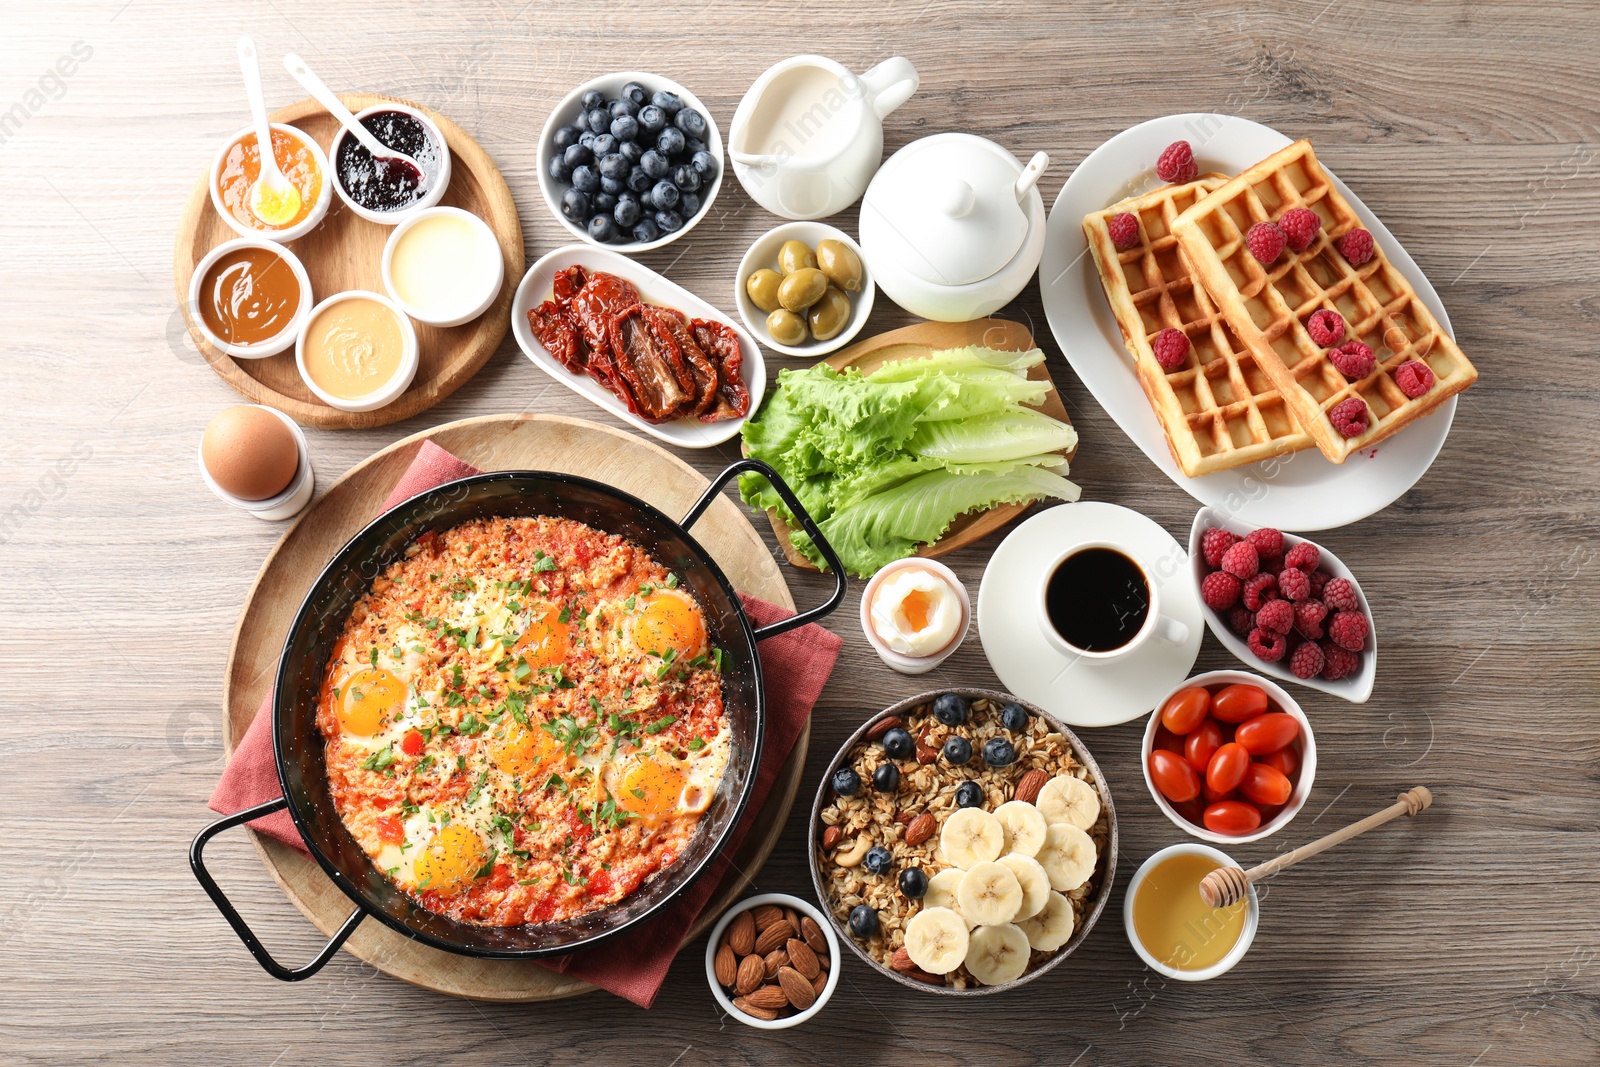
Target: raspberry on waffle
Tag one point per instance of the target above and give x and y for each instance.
(1218, 408)
(1268, 305)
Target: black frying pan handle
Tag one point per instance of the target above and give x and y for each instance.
(755, 466)
(251, 942)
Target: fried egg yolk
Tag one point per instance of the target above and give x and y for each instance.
(524, 750)
(369, 699)
(670, 620)
(652, 788)
(451, 859)
(547, 640)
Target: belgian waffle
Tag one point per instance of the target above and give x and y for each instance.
(1268, 304)
(1219, 409)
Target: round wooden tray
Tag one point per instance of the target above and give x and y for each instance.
(918, 340)
(492, 442)
(346, 252)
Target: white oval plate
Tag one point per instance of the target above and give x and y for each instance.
(1301, 491)
(537, 287)
(1078, 691)
(1357, 688)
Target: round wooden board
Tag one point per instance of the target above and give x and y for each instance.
(918, 340)
(492, 442)
(346, 252)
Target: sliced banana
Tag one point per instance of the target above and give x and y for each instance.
(971, 836)
(1024, 827)
(942, 889)
(1067, 857)
(997, 954)
(936, 940)
(1069, 800)
(1053, 926)
(989, 894)
(1034, 882)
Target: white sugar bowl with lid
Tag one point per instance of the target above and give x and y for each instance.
(953, 226)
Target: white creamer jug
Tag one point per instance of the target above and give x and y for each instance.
(808, 135)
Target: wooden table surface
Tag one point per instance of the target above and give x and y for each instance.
(1468, 937)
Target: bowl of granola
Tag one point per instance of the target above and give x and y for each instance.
(963, 842)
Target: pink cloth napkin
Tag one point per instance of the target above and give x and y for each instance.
(796, 665)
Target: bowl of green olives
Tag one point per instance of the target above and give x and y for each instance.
(803, 289)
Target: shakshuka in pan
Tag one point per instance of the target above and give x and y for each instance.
(523, 720)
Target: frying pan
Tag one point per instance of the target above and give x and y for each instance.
(298, 746)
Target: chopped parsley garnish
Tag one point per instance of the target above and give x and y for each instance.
(542, 562)
(488, 867)
(660, 724)
(374, 657)
(565, 616)
(381, 761)
(477, 788)
(672, 581)
(646, 590)
(696, 743)
(575, 737)
(471, 725)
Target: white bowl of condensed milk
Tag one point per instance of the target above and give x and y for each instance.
(443, 266)
(357, 351)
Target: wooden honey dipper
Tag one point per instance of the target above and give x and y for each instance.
(1228, 885)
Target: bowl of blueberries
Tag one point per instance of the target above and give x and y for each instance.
(630, 160)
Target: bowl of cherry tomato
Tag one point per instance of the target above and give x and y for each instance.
(1229, 756)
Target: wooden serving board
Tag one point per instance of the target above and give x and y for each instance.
(867, 356)
(492, 442)
(346, 252)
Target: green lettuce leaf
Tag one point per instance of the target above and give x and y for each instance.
(891, 524)
(1002, 435)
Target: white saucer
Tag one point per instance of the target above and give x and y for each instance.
(1301, 492)
(1078, 691)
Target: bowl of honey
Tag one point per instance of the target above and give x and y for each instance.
(301, 160)
(249, 297)
(1176, 932)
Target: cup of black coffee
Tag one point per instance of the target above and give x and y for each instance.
(1101, 602)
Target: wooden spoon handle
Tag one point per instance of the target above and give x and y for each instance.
(1227, 885)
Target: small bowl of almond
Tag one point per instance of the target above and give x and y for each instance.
(772, 961)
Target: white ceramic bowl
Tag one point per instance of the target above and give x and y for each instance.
(611, 86)
(490, 252)
(764, 253)
(783, 901)
(287, 504)
(898, 660)
(284, 337)
(1252, 918)
(319, 210)
(1308, 758)
(1357, 687)
(389, 390)
(435, 192)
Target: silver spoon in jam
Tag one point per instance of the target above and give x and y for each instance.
(390, 168)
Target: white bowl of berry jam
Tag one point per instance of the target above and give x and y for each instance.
(389, 198)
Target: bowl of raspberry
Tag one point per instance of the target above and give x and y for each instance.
(1229, 757)
(1284, 605)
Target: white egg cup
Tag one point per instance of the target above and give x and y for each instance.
(287, 504)
(899, 660)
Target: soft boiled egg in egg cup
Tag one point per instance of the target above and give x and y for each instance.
(915, 613)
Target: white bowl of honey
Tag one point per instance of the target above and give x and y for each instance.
(302, 161)
(1173, 930)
